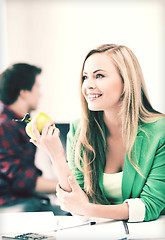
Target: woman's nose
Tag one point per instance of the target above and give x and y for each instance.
(91, 83)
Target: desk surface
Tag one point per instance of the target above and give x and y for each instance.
(103, 229)
(115, 230)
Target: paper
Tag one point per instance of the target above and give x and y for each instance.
(148, 230)
(27, 222)
(80, 228)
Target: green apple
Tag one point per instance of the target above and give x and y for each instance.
(42, 119)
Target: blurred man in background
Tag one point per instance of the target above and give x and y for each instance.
(21, 183)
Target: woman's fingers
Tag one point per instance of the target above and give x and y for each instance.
(51, 130)
(56, 131)
(35, 130)
(59, 193)
(73, 183)
(48, 130)
(48, 126)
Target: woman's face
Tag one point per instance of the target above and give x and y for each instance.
(102, 85)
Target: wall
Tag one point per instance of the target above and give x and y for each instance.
(56, 35)
(3, 36)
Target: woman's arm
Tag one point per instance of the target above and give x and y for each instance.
(71, 197)
(117, 212)
(44, 185)
(50, 142)
(77, 202)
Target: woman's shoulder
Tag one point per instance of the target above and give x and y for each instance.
(74, 126)
(155, 128)
(157, 124)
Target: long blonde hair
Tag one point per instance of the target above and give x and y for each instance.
(90, 144)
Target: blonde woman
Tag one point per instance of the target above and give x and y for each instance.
(116, 151)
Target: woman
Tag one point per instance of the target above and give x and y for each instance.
(116, 152)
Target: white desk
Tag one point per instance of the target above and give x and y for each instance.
(148, 230)
(115, 230)
(105, 230)
(102, 230)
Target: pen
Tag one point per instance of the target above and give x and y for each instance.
(78, 225)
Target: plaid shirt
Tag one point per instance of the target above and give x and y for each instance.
(18, 173)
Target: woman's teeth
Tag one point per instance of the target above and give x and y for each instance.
(94, 96)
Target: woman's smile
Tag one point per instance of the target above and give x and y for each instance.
(93, 96)
(102, 85)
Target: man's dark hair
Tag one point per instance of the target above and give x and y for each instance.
(20, 76)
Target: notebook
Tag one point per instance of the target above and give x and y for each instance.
(23, 222)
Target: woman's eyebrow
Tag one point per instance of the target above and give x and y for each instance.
(98, 70)
(95, 71)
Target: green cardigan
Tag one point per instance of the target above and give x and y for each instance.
(150, 154)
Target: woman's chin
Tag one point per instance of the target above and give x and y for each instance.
(94, 108)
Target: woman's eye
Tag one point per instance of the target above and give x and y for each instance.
(99, 75)
(84, 78)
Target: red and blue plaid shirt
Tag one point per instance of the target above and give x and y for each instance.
(18, 173)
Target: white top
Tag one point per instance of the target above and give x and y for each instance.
(112, 188)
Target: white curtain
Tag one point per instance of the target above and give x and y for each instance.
(3, 36)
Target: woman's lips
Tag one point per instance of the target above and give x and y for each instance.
(93, 96)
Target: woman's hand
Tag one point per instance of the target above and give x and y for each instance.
(49, 140)
(75, 201)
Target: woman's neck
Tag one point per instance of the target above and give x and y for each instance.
(114, 124)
